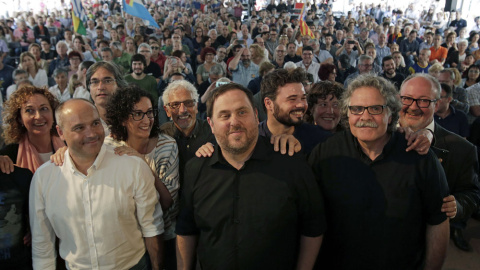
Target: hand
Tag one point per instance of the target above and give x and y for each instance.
(419, 141)
(283, 141)
(6, 164)
(205, 150)
(125, 150)
(449, 206)
(59, 157)
(27, 239)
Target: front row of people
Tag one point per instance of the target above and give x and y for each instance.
(371, 203)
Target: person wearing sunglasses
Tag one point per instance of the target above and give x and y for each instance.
(375, 192)
(134, 130)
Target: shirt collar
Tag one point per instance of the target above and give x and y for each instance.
(260, 152)
(98, 160)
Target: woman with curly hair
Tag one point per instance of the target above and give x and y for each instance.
(327, 72)
(30, 132)
(324, 105)
(134, 130)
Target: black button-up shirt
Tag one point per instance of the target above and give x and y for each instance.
(250, 218)
(187, 146)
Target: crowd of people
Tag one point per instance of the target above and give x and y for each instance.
(229, 141)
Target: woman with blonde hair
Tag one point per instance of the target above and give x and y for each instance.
(435, 69)
(258, 54)
(37, 76)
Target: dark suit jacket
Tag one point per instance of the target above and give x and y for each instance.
(459, 160)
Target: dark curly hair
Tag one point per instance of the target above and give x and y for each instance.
(278, 78)
(321, 90)
(325, 71)
(119, 108)
(13, 131)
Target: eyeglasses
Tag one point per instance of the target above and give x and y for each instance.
(473, 71)
(421, 102)
(373, 110)
(106, 81)
(367, 65)
(155, 48)
(187, 103)
(139, 115)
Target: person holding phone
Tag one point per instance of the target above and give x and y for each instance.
(348, 49)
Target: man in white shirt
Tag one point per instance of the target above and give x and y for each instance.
(307, 63)
(101, 205)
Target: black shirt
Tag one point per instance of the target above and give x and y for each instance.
(397, 80)
(293, 59)
(308, 135)
(154, 70)
(187, 146)
(377, 211)
(250, 218)
(14, 188)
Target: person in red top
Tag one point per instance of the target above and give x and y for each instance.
(24, 35)
(439, 53)
(157, 56)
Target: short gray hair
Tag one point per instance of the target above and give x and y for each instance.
(216, 70)
(179, 85)
(61, 42)
(144, 45)
(386, 89)
(117, 45)
(59, 71)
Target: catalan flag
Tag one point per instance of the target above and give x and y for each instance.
(304, 29)
(137, 9)
(79, 17)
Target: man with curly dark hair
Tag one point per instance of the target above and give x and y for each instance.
(284, 100)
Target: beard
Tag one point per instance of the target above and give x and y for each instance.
(285, 118)
(246, 62)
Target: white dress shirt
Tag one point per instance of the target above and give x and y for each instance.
(55, 90)
(100, 218)
(312, 69)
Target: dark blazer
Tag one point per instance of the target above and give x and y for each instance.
(459, 160)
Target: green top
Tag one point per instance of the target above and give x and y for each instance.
(148, 83)
(168, 50)
(123, 61)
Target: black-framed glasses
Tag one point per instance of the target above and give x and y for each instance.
(187, 103)
(139, 115)
(373, 110)
(421, 102)
(155, 48)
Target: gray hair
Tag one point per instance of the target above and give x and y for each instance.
(144, 45)
(179, 85)
(112, 68)
(289, 65)
(59, 71)
(386, 89)
(61, 42)
(216, 70)
(436, 87)
(18, 71)
(363, 58)
(117, 45)
(211, 31)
